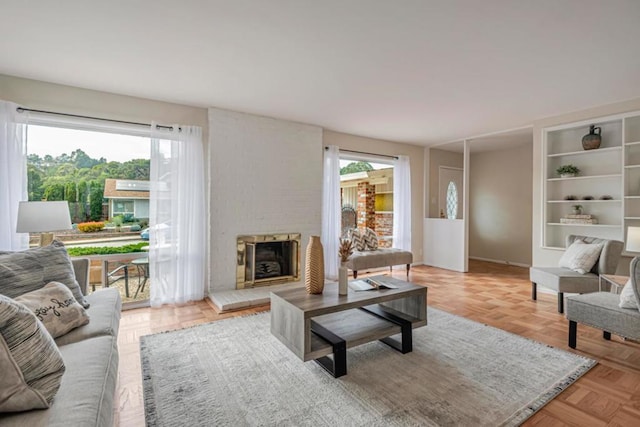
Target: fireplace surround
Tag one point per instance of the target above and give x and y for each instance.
(267, 259)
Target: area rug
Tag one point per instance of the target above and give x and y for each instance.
(461, 373)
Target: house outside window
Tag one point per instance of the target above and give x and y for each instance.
(124, 207)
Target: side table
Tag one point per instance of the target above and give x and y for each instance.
(615, 283)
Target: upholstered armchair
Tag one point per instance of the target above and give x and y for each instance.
(562, 279)
(601, 310)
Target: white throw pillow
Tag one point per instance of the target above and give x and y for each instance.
(580, 256)
(627, 297)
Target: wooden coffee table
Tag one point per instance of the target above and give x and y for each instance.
(315, 326)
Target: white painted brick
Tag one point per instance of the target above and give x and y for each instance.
(266, 177)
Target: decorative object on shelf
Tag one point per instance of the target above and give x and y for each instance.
(567, 171)
(576, 209)
(592, 140)
(587, 198)
(606, 197)
(570, 197)
(345, 250)
(314, 266)
(578, 219)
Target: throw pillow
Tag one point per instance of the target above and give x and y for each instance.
(370, 239)
(357, 240)
(55, 306)
(580, 256)
(30, 361)
(627, 296)
(26, 271)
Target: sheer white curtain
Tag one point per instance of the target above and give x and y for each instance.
(177, 225)
(331, 211)
(13, 176)
(402, 203)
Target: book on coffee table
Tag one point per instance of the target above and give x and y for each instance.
(369, 284)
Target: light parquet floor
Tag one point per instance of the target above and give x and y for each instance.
(495, 294)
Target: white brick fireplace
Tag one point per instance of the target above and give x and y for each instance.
(265, 177)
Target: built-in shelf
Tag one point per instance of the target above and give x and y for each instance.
(632, 197)
(632, 166)
(577, 153)
(578, 201)
(632, 143)
(613, 175)
(586, 225)
(632, 217)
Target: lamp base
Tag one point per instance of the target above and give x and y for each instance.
(46, 239)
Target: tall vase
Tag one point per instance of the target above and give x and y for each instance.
(343, 280)
(314, 266)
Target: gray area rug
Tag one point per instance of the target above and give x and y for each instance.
(460, 373)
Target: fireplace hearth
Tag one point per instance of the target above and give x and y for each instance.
(267, 259)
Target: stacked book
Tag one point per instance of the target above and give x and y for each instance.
(578, 219)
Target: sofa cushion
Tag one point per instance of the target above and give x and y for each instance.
(383, 257)
(370, 239)
(627, 296)
(30, 361)
(26, 271)
(105, 317)
(357, 239)
(87, 391)
(580, 256)
(55, 306)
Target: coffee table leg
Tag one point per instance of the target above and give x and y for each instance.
(338, 365)
(406, 344)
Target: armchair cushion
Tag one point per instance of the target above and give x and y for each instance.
(564, 280)
(581, 256)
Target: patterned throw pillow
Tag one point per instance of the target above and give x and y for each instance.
(580, 256)
(55, 306)
(26, 271)
(30, 361)
(627, 296)
(370, 239)
(357, 240)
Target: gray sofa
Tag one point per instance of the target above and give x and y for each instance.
(90, 354)
(381, 257)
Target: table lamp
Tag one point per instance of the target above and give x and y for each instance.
(633, 239)
(43, 217)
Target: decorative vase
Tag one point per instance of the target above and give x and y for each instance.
(592, 140)
(314, 266)
(343, 281)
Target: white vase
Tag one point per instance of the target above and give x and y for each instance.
(343, 281)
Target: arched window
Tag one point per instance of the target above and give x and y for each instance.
(452, 200)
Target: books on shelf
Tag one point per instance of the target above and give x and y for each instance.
(578, 221)
(582, 216)
(369, 284)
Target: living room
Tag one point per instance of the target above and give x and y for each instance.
(271, 86)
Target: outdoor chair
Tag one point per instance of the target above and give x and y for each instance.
(561, 279)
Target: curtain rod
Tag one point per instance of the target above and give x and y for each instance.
(366, 153)
(22, 110)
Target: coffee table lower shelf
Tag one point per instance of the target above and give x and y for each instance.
(336, 332)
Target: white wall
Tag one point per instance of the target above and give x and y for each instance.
(542, 256)
(416, 159)
(266, 177)
(500, 211)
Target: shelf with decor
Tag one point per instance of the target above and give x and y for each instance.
(594, 153)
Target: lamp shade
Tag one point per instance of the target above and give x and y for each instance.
(633, 239)
(41, 217)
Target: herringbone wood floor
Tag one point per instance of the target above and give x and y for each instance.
(498, 295)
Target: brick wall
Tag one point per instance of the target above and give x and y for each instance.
(384, 228)
(366, 208)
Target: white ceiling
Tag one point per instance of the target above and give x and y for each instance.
(416, 71)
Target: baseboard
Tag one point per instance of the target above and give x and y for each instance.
(517, 264)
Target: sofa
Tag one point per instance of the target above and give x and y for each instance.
(368, 254)
(90, 355)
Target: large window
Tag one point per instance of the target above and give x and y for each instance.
(95, 172)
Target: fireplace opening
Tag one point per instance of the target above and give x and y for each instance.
(267, 259)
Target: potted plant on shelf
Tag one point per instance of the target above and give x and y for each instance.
(577, 209)
(567, 171)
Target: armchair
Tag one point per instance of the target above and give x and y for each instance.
(563, 280)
